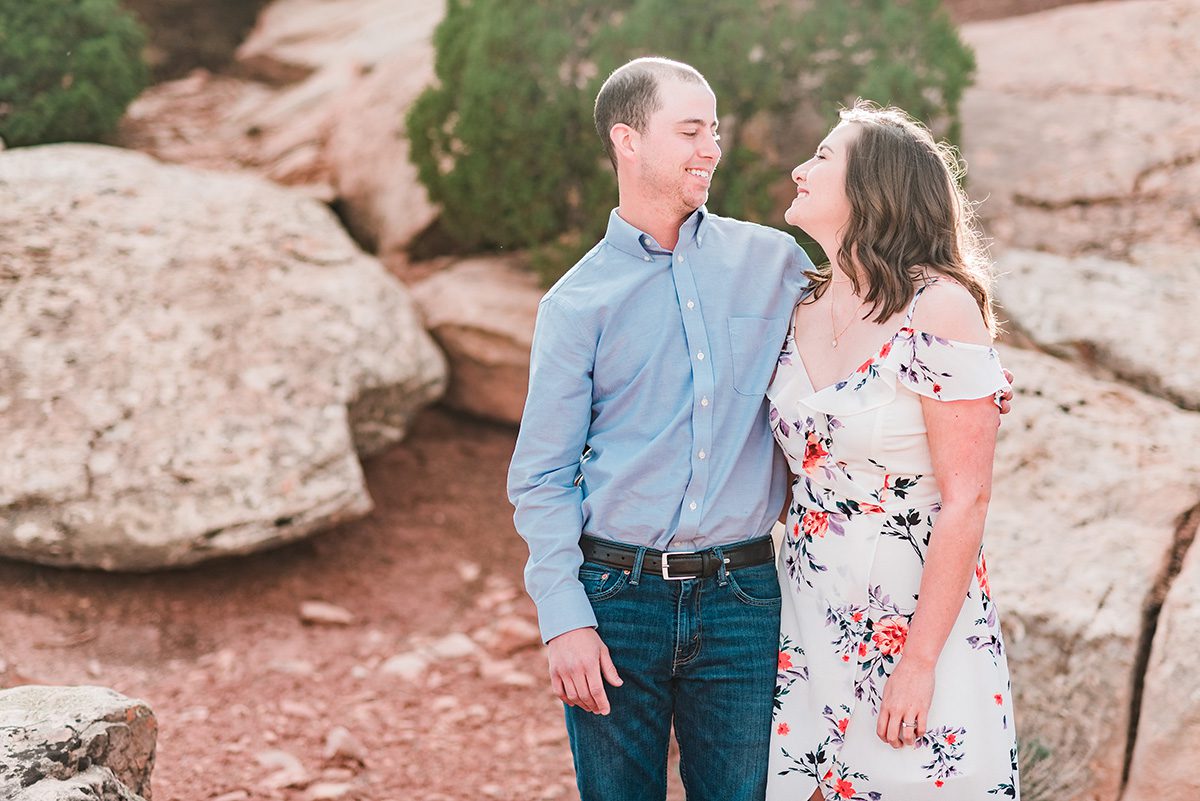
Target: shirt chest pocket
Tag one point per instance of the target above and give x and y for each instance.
(754, 344)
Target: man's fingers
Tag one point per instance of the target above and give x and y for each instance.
(595, 686)
(556, 687)
(609, 669)
(574, 697)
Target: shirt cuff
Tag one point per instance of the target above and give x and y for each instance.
(565, 611)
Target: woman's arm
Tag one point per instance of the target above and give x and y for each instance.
(962, 444)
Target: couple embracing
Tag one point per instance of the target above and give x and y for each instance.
(680, 372)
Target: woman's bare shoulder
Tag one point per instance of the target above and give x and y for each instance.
(947, 309)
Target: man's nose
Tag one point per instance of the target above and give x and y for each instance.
(710, 148)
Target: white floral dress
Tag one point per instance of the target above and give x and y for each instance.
(858, 527)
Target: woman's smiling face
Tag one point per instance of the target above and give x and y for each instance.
(821, 206)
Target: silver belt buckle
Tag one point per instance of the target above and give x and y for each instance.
(666, 564)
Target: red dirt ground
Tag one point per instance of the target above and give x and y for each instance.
(221, 655)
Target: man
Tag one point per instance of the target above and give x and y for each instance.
(645, 477)
(652, 354)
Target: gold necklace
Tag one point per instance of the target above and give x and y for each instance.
(832, 323)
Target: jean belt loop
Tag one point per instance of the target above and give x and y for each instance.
(637, 566)
(722, 573)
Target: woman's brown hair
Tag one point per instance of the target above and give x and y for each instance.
(908, 215)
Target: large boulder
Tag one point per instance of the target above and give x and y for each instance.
(1091, 478)
(380, 197)
(1168, 742)
(226, 123)
(1133, 319)
(74, 744)
(335, 128)
(190, 362)
(1083, 127)
(482, 311)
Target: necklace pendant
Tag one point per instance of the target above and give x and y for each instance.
(835, 342)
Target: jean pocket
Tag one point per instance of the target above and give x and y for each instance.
(754, 343)
(756, 586)
(601, 582)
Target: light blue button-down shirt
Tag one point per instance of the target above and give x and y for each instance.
(655, 364)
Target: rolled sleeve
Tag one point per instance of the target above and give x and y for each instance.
(541, 477)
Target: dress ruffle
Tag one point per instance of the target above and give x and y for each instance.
(929, 365)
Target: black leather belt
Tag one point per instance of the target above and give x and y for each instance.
(678, 565)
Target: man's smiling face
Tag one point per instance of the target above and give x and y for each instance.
(679, 150)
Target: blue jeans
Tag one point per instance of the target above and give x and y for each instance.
(701, 652)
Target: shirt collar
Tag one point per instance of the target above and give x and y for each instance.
(637, 243)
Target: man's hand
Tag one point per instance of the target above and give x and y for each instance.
(578, 658)
(1006, 398)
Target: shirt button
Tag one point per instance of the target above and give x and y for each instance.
(647, 258)
(702, 454)
(704, 401)
(682, 258)
(700, 355)
(692, 506)
(691, 304)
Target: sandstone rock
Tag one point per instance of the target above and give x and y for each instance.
(408, 666)
(452, 646)
(286, 769)
(232, 795)
(293, 667)
(340, 744)
(94, 784)
(74, 743)
(382, 201)
(1138, 321)
(232, 124)
(322, 613)
(324, 791)
(482, 312)
(1090, 478)
(1083, 127)
(1169, 728)
(294, 38)
(189, 362)
(297, 709)
(333, 132)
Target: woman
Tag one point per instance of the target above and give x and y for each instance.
(892, 680)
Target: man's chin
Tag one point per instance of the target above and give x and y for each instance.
(694, 201)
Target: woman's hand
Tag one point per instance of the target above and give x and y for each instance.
(906, 698)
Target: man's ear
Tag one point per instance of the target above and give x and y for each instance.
(625, 141)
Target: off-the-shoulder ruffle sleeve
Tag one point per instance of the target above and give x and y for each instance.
(945, 369)
(928, 365)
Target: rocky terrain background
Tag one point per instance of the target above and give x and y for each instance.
(195, 360)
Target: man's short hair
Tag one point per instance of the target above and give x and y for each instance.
(630, 95)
